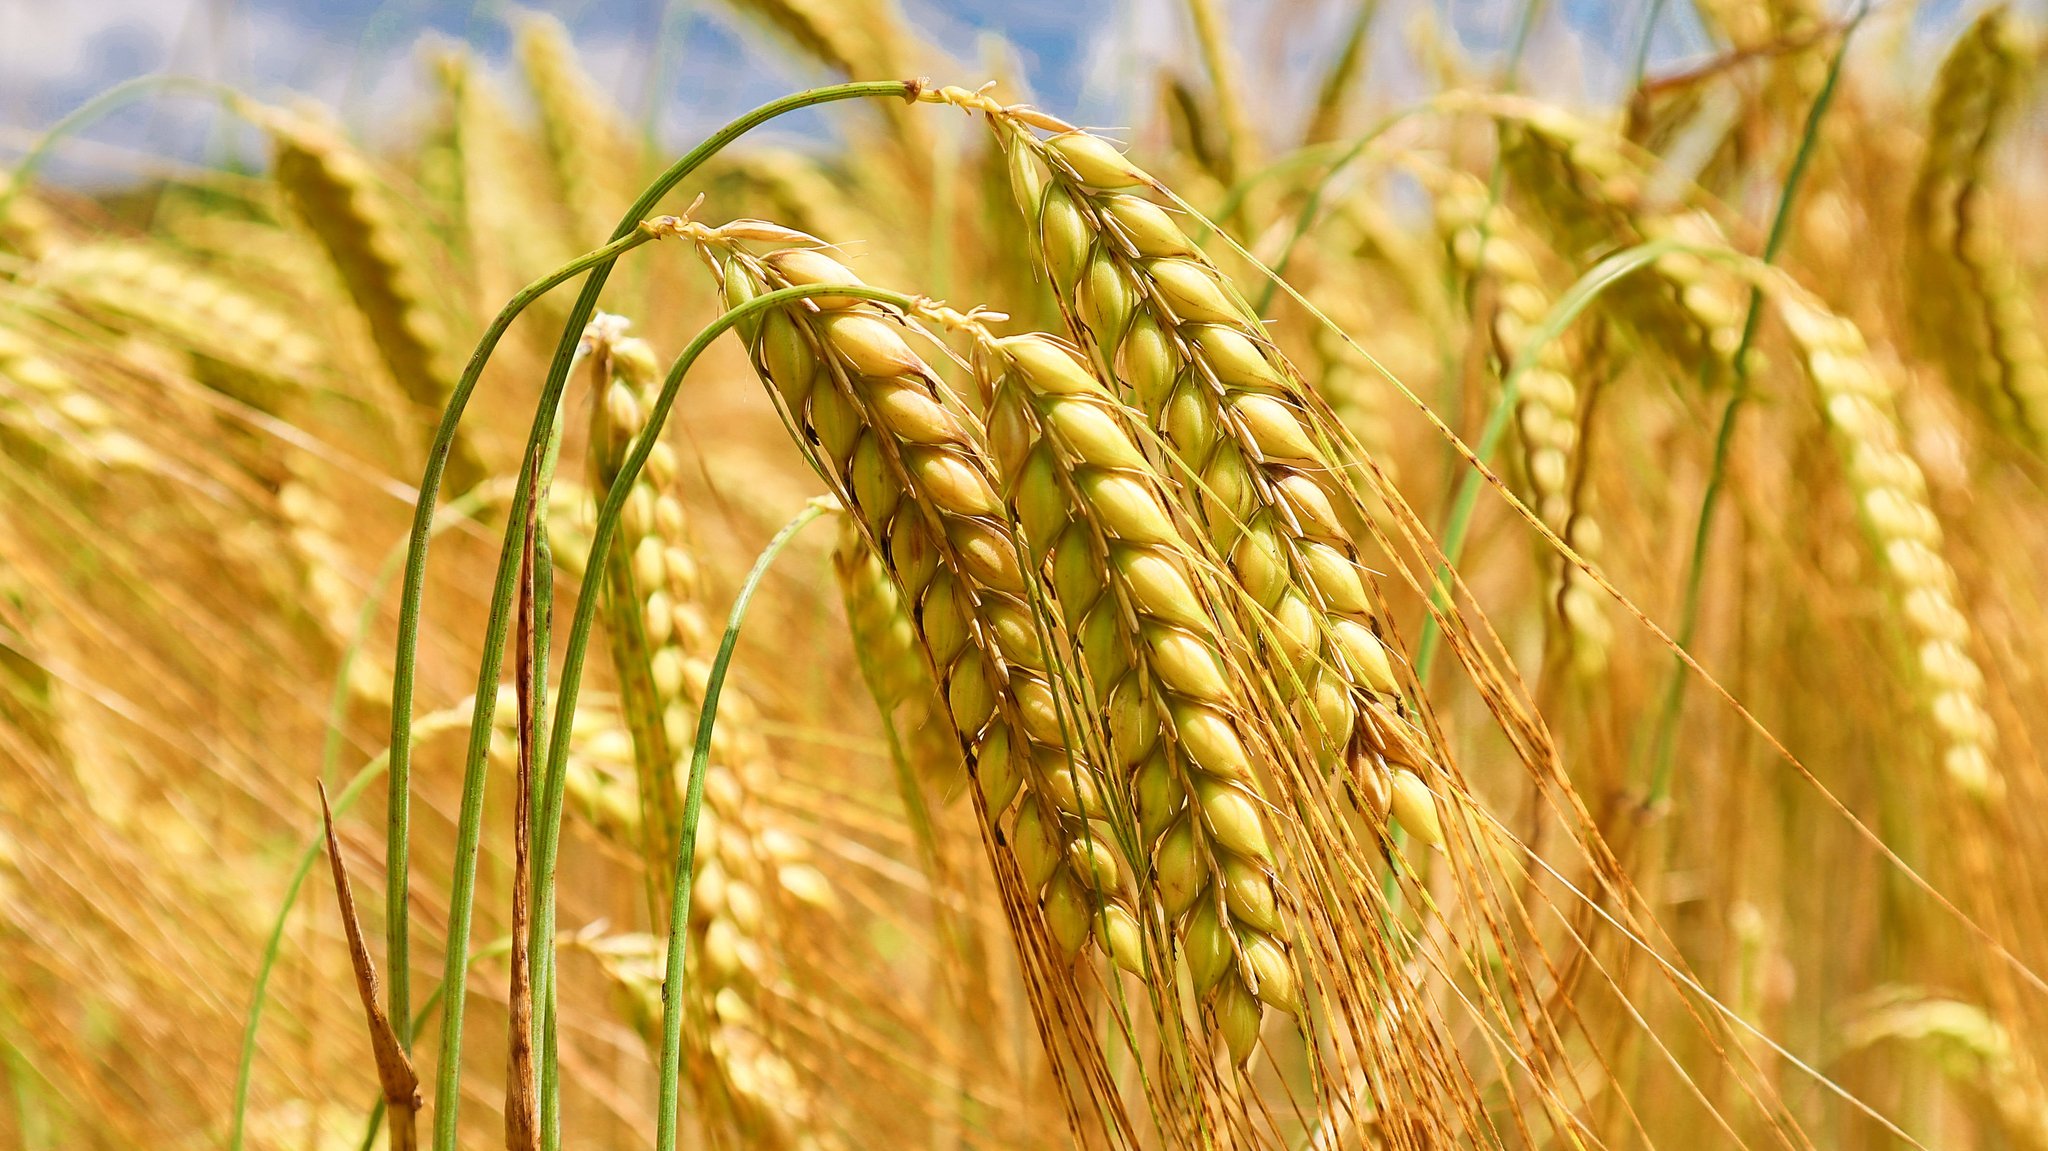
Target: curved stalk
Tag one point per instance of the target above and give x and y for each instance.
(629, 234)
(469, 830)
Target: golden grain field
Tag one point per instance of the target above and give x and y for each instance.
(1462, 619)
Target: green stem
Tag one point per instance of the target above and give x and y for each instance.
(629, 234)
(576, 649)
(686, 846)
(541, 970)
(1598, 279)
(548, 829)
(397, 918)
(1665, 746)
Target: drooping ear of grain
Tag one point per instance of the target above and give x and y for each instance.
(1971, 309)
(926, 496)
(1185, 735)
(338, 197)
(1249, 451)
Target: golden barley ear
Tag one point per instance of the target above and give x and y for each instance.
(1581, 184)
(339, 197)
(1855, 389)
(748, 869)
(593, 159)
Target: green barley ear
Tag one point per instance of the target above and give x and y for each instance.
(1971, 310)
(747, 868)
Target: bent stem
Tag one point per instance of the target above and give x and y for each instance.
(398, 942)
(630, 233)
(576, 649)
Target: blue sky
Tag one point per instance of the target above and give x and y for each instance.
(1085, 60)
